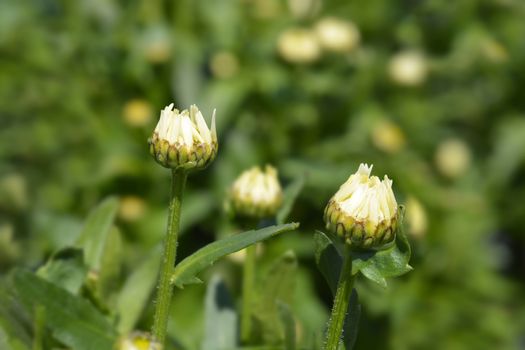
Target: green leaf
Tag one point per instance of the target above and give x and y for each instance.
(277, 285)
(136, 291)
(328, 259)
(288, 325)
(66, 269)
(108, 278)
(351, 325)
(185, 272)
(221, 318)
(72, 319)
(96, 231)
(13, 323)
(291, 192)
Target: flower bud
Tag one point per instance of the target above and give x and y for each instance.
(182, 140)
(363, 211)
(138, 341)
(256, 194)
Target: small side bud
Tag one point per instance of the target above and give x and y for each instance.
(363, 211)
(256, 193)
(182, 140)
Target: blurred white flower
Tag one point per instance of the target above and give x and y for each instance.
(304, 8)
(298, 45)
(256, 193)
(337, 35)
(453, 158)
(408, 68)
(388, 137)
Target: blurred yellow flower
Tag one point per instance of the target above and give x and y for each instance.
(304, 8)
(408, 68)
(137, 112)
(453, 158)
(13, 191)
(416, 217)
(299, 45)
(132, 208)
(138, 341)
(224, 64)
(337, 35)
(388, 137)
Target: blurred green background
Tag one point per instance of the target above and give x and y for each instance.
(429, 91)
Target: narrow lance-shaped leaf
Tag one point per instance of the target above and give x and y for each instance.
(72, 319)
(96, 229)
(136, 291)
(185, 272)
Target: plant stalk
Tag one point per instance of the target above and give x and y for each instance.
(341, 302)
(248, 288)
(164, 287)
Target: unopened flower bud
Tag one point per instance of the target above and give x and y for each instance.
(182, 140)
(138, 341)
(256, 194)
(363, 211)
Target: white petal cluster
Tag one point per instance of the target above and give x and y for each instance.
(365, 197)
(256, 193)
(183, 139)
(363, 210)
(185, 128)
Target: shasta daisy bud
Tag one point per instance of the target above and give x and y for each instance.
(138, 341)
(256, 193)
(182, 140)
(363, 211)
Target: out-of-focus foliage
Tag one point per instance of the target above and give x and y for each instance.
(430, 92)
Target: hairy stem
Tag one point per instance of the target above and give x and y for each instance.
(341, 301)
(164, 287)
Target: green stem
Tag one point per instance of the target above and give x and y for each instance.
(340, 308)
(164, 287)
(248, 285)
